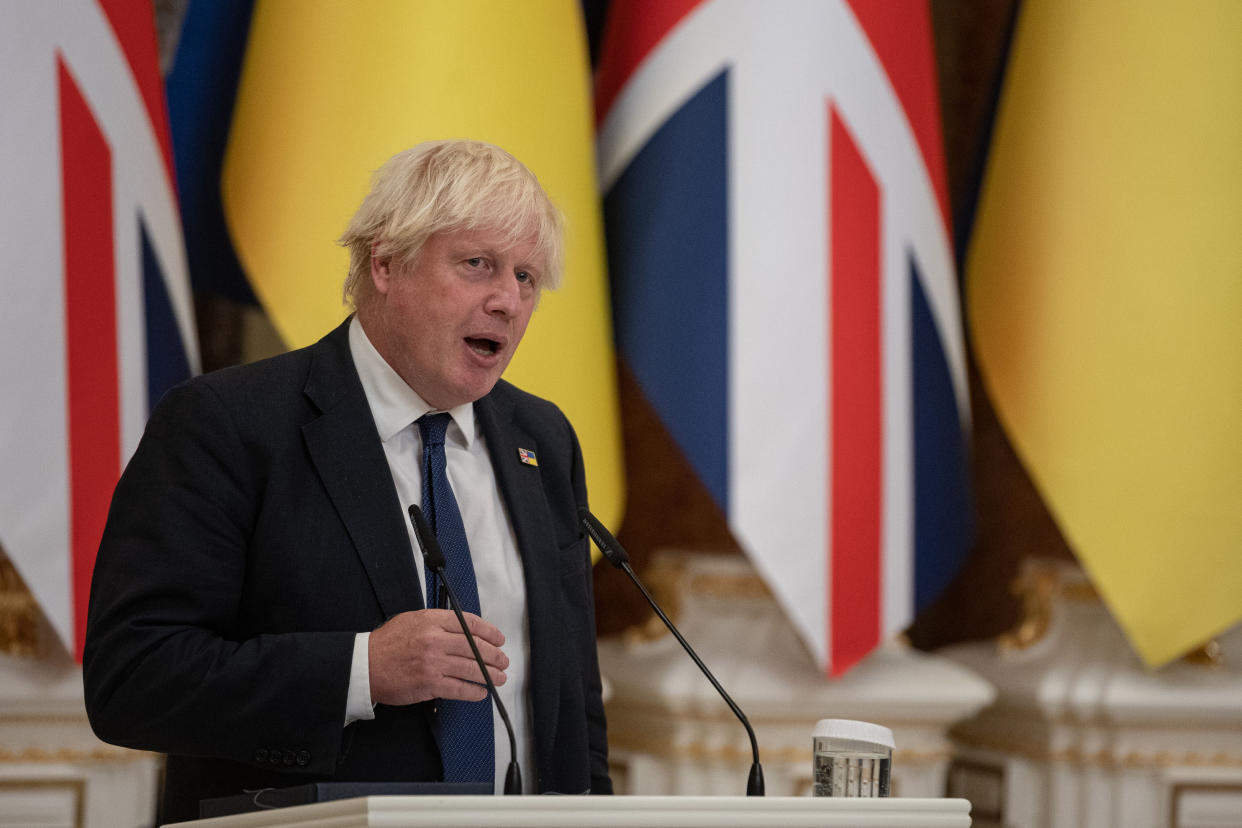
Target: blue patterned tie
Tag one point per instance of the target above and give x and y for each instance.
(464, 729)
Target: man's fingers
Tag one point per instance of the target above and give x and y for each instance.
(466, 671)
(423, 654)
(480, 629)
(463, 666)
(462, 690)
(488, 638)
(492, 657)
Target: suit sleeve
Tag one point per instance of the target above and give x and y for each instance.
(169, 664)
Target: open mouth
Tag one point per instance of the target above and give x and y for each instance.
(482, 345)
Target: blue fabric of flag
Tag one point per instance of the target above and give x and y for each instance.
(942, 492)
(668, 261)
(202, 87)
(167, 363)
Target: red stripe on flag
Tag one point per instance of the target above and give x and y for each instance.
(90, 335)
(632, 30)
(901, 36)
(855, 435)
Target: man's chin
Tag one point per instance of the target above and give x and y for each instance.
(463, 393)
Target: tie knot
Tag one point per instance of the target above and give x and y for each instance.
(432, 427)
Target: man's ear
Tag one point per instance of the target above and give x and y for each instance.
(381, 272)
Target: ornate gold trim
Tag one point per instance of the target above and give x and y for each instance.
(1079, 593)
(619, 708)
(19, 613)
(1042, 581)
(103, 753)
(663, 577)
(698, 751)
(1039, 582)
(1103, 758)
(1209, 655)
(668, 579)
(43, 718)
(730, 587)
(1036, 588)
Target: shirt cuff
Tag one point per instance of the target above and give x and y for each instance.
(358, 704)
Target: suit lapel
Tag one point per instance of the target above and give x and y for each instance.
(521, 487)
(347, 454)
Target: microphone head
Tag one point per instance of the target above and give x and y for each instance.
(613, 551)
(433, 556)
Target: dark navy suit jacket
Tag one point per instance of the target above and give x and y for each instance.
(256, 530)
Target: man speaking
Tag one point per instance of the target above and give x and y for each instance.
(258, 610)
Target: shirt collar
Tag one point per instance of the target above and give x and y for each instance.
(395, 405)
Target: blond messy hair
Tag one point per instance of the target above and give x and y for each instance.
(449, 185)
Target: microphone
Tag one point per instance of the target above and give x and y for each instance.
(617, 556)
(433, 559)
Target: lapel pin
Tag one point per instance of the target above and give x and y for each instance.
(528, 457)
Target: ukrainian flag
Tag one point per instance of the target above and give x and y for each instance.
(1104, 288)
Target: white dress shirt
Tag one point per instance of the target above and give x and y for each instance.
(493, 546)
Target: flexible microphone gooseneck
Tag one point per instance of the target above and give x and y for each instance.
(433, 559)
(617, 556)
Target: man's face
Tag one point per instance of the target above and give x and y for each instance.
(449, 324)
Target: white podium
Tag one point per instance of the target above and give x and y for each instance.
(578, 811)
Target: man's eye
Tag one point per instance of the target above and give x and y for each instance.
(476, 261)
(524, 277)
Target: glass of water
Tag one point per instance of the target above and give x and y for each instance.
(851, 758)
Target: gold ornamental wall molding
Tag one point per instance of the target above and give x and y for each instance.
(729, 587)
(1104, 758)
(670, 582)
(698, 751)
(43, 719)
(1041, 583)
(73, 756)
(19, 614)
(1037, 586)
(622, 709)
(1011, 715)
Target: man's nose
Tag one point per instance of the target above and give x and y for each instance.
(505, 296)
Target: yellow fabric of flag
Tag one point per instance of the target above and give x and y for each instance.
(329, 90)
(1104, 293)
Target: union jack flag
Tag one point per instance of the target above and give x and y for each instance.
(98, 314)
(785, 293)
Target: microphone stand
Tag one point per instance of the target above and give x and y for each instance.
(618, 557)
(433, 558)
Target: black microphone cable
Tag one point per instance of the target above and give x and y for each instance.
(617, 556)
(433, 559)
